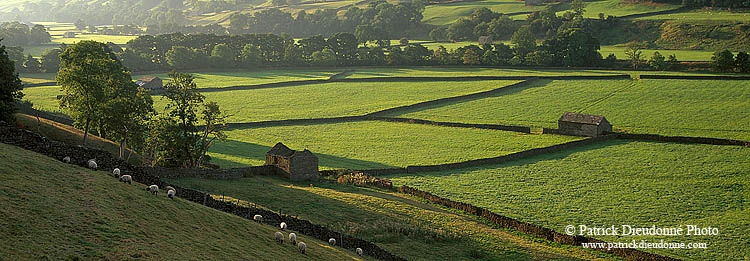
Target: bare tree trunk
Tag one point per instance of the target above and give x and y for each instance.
(86, 131)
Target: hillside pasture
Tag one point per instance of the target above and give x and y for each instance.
(333, 99)
(52, 210)
(702, 15)
(621, 8)
(442, 14)
(374, 144)
(707, 108)
(221, 79)
(616, 183)
(407, 227)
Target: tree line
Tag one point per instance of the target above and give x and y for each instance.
(17, 34)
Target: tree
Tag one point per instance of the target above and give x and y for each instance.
(610, 61)
(471, 57)
(182, 106)
(326, 57)
(10, 87)
(223, 56)
(180, 57)
(524, 41)
(90, 76)
(32, 64)
(672, 63)
(80, 24)
(633, 52)
(578, 7)
(51, 60)
(742, 62)
(657, 61)
(214, 120)
(127, 117)
(723, 61)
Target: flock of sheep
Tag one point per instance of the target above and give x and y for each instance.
(154, 189)
(301, 246)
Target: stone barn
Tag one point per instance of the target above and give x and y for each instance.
(578, 124)
(485, 40)
(150, 83)
(295, 165)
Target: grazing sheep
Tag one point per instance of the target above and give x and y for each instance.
(168, 188)
(66, 159)
(282, 226)
(258, 218)
(359, 251)
(302, 247)
(154, 189)
(170, 193)
(116, 173)
(279, 237)
(126, 178)
(332, 241)
(92, 164)
(293, 238)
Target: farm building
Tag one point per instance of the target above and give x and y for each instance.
(485, 40)
(69, 35)
(150, 83)
(578, 124)
(295, 165)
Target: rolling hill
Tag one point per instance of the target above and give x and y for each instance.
(50, 210)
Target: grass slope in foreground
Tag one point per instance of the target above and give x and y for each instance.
(707, 108)
(368, 145)
(400, 224)
(50, 210)
(617, 183)
(334, 99)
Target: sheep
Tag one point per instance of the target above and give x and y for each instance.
(279, 237)
(332, 241)
(126, 178)
(92, 164)
(116, 172)
(359, 251)
(258, 218)
(293, 238)
(66, 159)
(168, 188)
(154, 189)
(282, 226)
(301, 246)
(170, 193)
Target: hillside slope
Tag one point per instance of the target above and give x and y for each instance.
(52, 210)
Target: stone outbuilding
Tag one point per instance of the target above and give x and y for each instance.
(69, 35)
(578, 124)
(150, 83)
(295, 165)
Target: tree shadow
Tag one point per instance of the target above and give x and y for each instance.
(257, 152)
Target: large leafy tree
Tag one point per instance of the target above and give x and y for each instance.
(10, 87)
(723, 61)
(91, 77)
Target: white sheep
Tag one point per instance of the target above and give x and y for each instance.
(359, 251)
(258, 218)
(170, 193)
(168, 188)
(66, 159)
(293, 238)
(116, 172)
(302, 247)
(92, 164)
(126, 178)
(154, 189)
(282, 226)
(332, 241)
(279, 237)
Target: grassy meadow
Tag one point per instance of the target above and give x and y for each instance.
(333, 99)
(374, 144)
(407, 227)
(441, 14)
(707, 108)
(619, 8)
(52, 210)
(616, 183)
(223, 79)
(702, 15)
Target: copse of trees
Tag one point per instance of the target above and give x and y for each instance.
(17, 34)
(10, 87)
(725, 61)
(481, 22)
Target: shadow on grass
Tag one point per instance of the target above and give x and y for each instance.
(257, 152)
(520, 162)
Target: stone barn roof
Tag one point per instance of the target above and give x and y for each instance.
(281, 150)
(582, 118)
(304, 153)
(148, 78)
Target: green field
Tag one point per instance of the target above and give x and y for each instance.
(618, 8)
(617, 183)
(407, 227)
(236, 78)
(702, 15)
(333, 99)
(368, 145)
(682, 55)
(441, 14)
(51, 210)
(669, 107)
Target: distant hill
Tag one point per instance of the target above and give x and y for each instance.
(51, 210)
